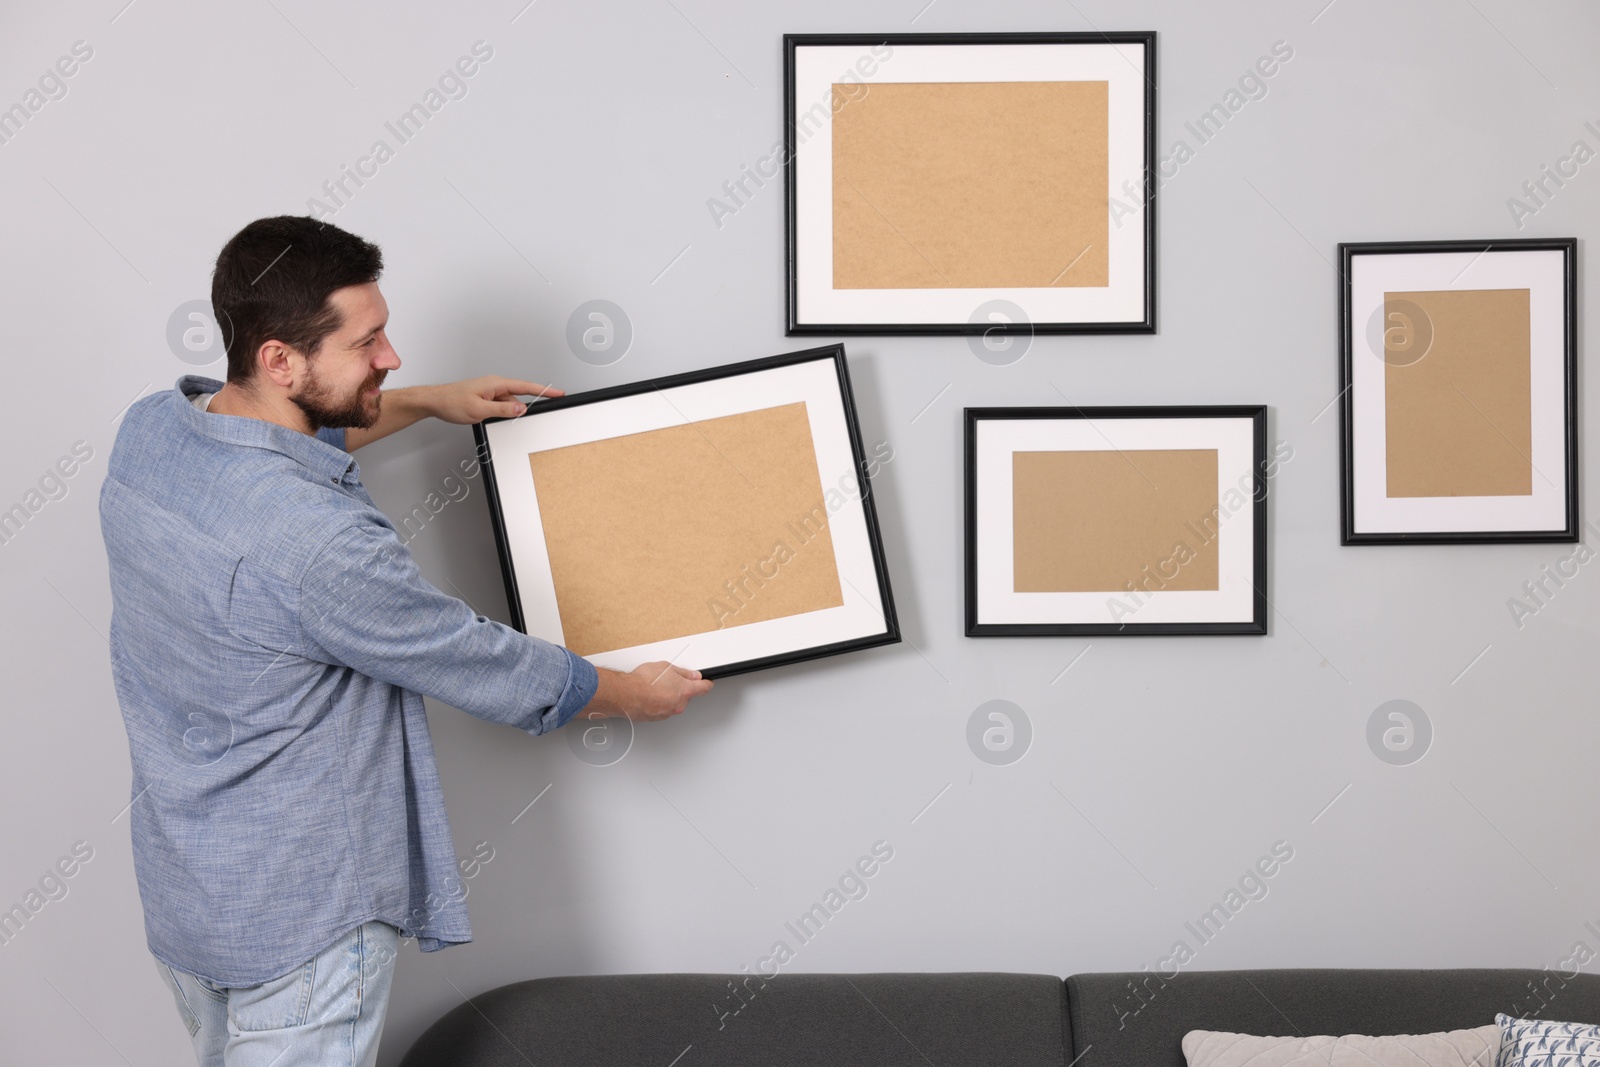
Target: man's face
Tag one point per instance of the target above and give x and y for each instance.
(340, 387)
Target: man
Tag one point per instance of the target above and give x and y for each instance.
(271, 642)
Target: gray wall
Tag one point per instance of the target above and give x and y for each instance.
(577, 167)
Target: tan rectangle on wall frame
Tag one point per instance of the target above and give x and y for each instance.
(1458, 394)
(970, 185)
(678, 531)
(1093, 521)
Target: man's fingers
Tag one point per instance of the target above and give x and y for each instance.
(524, 388)
(657, 668)
(696, 684)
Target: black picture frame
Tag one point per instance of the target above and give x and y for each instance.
(1144, 325)
(1260, 477)
(863, 469)
(1348, 252)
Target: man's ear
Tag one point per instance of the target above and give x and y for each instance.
(278, 362)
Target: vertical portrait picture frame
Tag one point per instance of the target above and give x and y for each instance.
(1458, 391)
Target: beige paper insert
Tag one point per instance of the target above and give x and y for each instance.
(970, 185)
(1087, 522)
(678, 531)
(1459, 421)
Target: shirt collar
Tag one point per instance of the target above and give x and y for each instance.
(321, 458)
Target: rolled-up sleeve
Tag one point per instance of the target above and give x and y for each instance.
(365, 605)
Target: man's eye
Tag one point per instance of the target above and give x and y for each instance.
(370, 341)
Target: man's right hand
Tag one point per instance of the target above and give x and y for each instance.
(649, 692)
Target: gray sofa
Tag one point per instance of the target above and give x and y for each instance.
(963, 1020)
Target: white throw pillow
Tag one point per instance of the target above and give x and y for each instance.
(1452, 1048)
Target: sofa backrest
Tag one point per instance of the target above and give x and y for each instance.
(826, 1020)
(1139, 1019)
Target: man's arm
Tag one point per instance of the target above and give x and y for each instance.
(464, 402)
(365, 605)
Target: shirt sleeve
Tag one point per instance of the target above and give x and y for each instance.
(365, 605)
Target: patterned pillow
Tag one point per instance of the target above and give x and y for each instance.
(1451, 1048)
(1541, 1043)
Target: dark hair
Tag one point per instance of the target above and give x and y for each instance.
(272, 282)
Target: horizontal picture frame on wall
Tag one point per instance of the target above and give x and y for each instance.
(970, 183)
(720, 519)
(1116, 521)
(1458, 391)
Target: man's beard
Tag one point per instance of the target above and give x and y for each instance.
(324, 410)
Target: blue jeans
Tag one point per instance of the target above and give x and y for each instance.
(328, 1011)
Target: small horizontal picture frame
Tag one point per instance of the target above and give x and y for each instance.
(1116, 521)
(1458, 398)
(721, 519)
(970, 183)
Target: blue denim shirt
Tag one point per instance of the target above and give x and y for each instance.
(271, 639)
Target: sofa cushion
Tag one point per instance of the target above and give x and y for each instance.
(792, 1020)
(1449, 1048)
